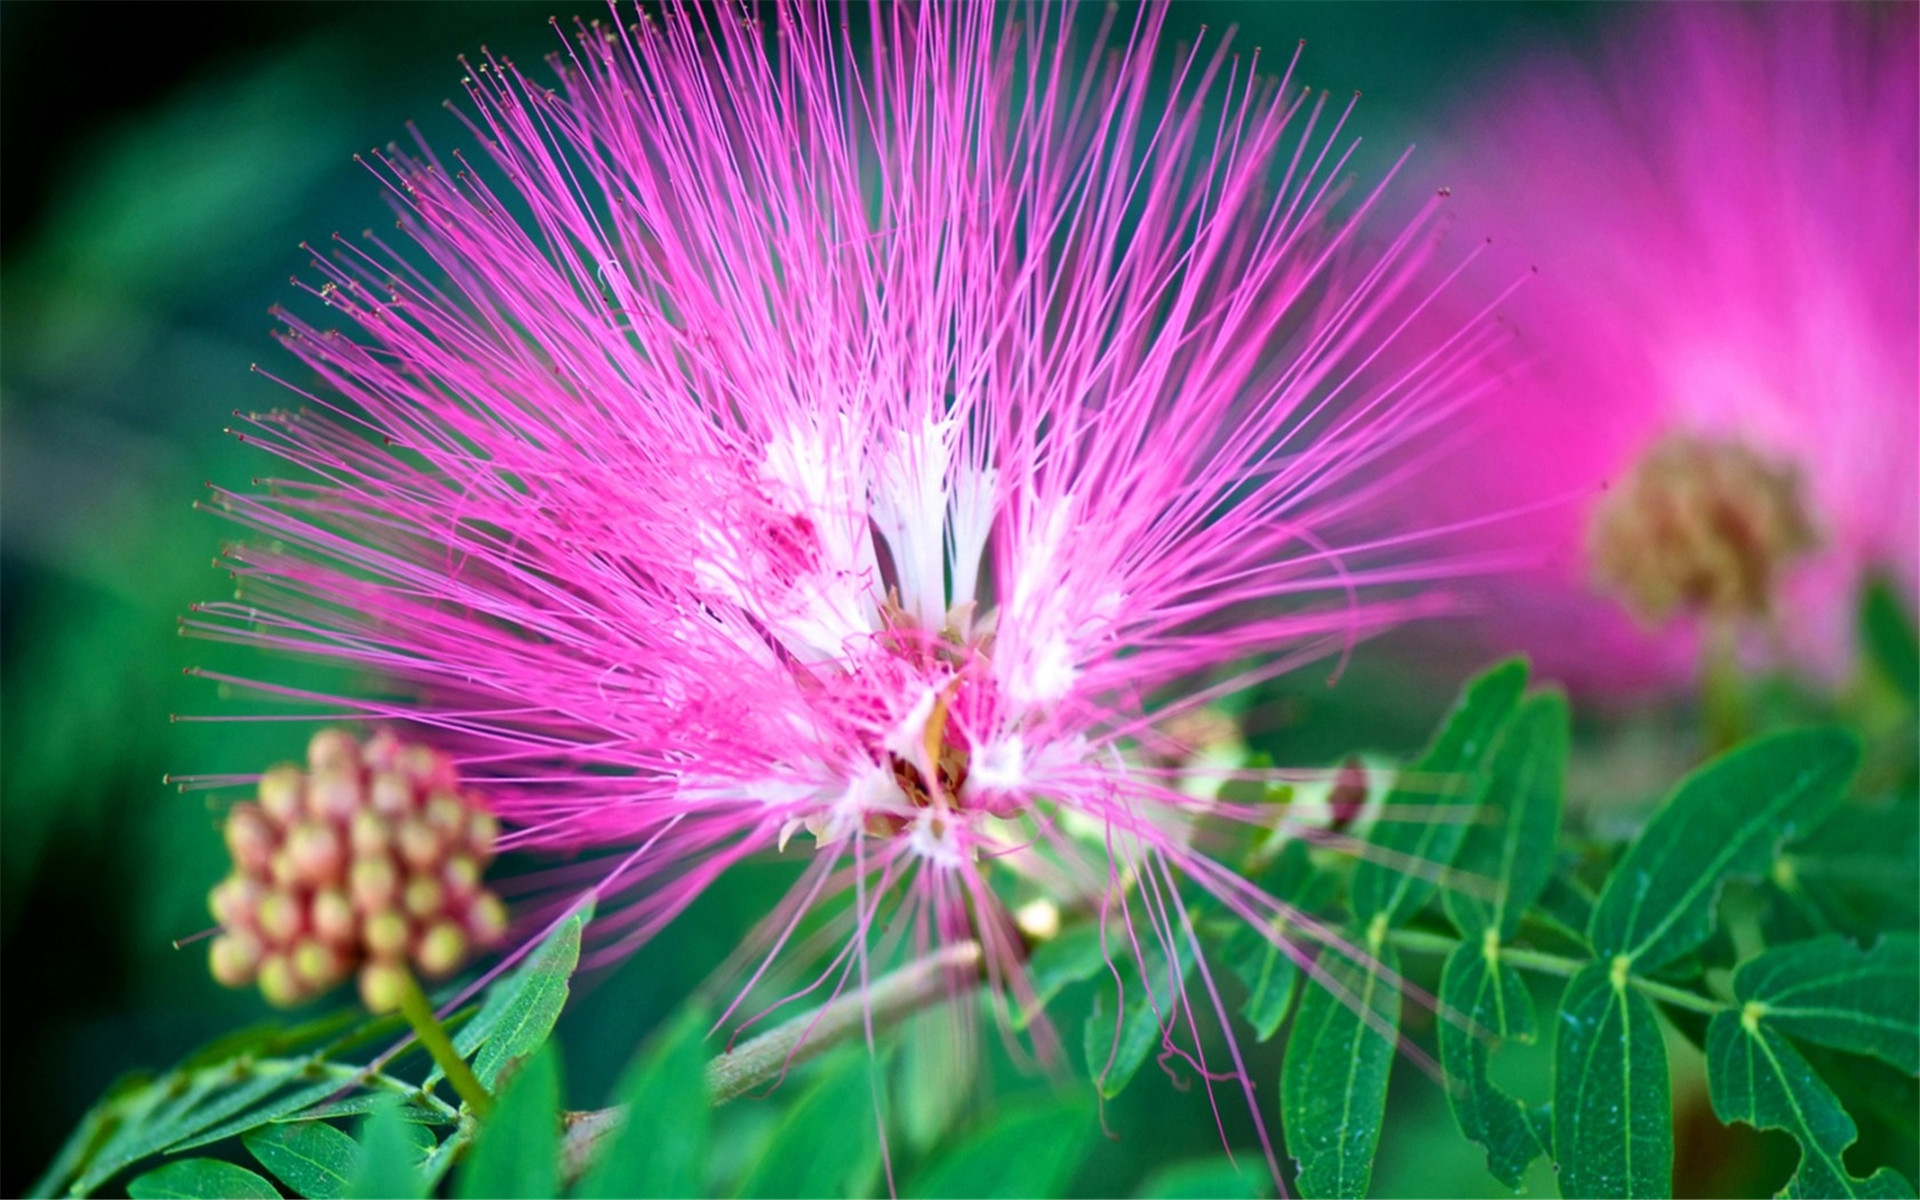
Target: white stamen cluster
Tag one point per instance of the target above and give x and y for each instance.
(369, 859)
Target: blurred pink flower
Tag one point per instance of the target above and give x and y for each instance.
(783, 449)
(1724, 220)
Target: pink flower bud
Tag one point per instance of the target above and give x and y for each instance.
(333, 748)
(418, 844)
(430, 770)
(250, 838)
(280, 794)
(280, 917)
(334, 918)
(374, 883)
(235, 900)
(382, 751)
(391, 794)
(282, 871)
(317, 852)
(234, 958)
(334, 794)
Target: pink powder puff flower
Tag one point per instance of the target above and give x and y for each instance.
(1725, 334)
(783, 448)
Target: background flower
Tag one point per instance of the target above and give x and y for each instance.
(1722, 208)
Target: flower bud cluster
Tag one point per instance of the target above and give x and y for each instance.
(368, 860)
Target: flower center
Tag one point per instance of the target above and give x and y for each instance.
(1700, 525)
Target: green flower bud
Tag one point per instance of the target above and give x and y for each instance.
(424, 897)
(371, 835)
(381, 986)
(374, 883)
(282, 871)
(446, 815)
(251, 838)
(317, 965)
(440, 949)
(234, 958)
(279, 983)
(461, 874)
(280, 917)
(385, 934)
(482, 832)
(486, 919)
(280, 793)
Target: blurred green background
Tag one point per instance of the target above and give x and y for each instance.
(162, 163)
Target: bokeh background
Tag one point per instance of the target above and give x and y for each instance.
(161, 165)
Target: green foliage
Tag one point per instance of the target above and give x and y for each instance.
(1485, 999)
(1726, 820)
(1613, 1114)
(1513, 845)
(660, 1147)
(827, 1144)
(1888, 637)
(1396, 880)
(1756, 1076)
(200, 1179)
(1026, 1151)
(1832, 992)
(1333, 1087)
(516, 1154)
(311, 1157)
(1145, 998)
(1803, 989)
(522, 1008)
(1208, 1179)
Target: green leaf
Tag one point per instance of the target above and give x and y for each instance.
(172, 1110)
(1073, 957)
(1206, 1179)
(660, 1148)
(1486, 998)
(201, 1179)
(1725, 820)
(1887, 633)
(1756, 1076)
(1030, 1150)
(1859, 868)
(522, 1008)
(1271, 977)
(311, 1157)
(516, 1153)
(1566, 906)
(1450, 773)
(939, 1060)
(389, 1158)
(1116, 1049)
(1832, 992)
(827, 1145)
(1612, 1112)
(1333, 1086)
(1512, 848)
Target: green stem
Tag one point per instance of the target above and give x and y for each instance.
(1678, 997)
(1421, 942)
(419, 1014)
